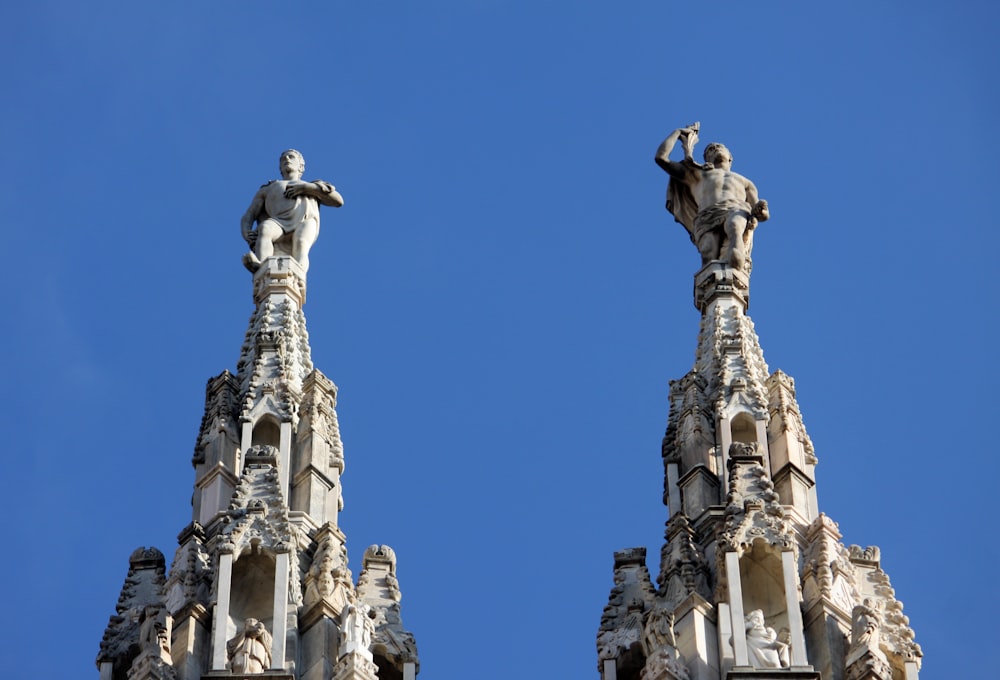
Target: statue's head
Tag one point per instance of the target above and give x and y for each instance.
(291, 162)
(754, 619)
(718, 155)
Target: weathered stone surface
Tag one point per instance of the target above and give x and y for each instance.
(260, 585)
(747, 550)
(133, 630)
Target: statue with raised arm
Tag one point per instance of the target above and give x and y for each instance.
(718, 207)
(286, 211)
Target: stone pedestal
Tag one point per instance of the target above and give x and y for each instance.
(355, 667)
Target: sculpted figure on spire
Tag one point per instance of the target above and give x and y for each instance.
(286, 211)
(718, 207)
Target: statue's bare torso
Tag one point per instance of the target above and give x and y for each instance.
(718, 207)
(288, 213)
(721, 187)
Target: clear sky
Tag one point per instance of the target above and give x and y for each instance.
(503, 299)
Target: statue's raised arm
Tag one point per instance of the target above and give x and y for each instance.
(718, 207)
(286, 212)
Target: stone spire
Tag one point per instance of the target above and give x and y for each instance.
(260, 582)
(754, 580)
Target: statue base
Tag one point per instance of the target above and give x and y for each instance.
(718, 279)
(355, 667)
(280, 275)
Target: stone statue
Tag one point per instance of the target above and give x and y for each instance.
(250, 650)
(766, 648)
(356, 629)
(658, 632)
(718, 207)
(865, 658)
(286, 211)
(154, 633)
(865, 624)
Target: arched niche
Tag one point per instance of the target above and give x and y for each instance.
(763, 585)
(267, 431)
(743, 428)
(252, 590)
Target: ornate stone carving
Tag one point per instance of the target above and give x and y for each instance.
(753, 511)
(191, 574)
(274, 361)
(622, 620)
(143, 588)
(731, 361)
(627, 634)
(286, 211)
(785, 414)
(379, 588)
(218, 432)
(827, 571)
(328, 578)
(153, 662)
(683, 567)
(659, 644)
(250, 651)
(154, 632)
(897, 638)
(690, 436)
(869, 556)
(719, 208)
(766, 648)
(318, 414)
(355, 667)
(865, 659)
(257, 519)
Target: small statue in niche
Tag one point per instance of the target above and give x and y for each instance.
(766, 648)
(250, 650)
(719, 208)
(286, 209)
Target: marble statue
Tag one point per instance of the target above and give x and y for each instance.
(356, 629)
(766, 648)
(250, 650)
(865, 625)
(286, 211)
(718, 207)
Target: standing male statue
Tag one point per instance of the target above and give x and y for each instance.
(718, 207)
(286, 211)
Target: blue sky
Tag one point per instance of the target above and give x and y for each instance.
(502, 300)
